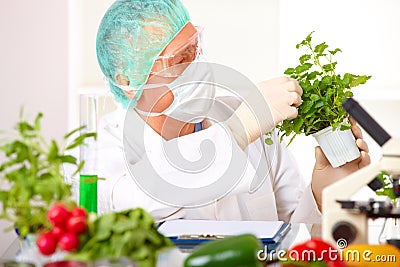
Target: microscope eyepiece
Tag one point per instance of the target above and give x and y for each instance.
(366, 121)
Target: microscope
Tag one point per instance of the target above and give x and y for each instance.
(344, 219)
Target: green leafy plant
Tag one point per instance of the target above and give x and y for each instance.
(324, 91)
(125, 235)
(387, 188)
(31, 177)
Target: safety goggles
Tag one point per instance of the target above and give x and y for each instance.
(173, 63)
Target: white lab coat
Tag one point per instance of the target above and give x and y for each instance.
(284, 195)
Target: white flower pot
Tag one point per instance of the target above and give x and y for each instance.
(338, 146)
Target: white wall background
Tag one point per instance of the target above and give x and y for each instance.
(33, 68)
(34, 61)
(242, 35)
(48, 53)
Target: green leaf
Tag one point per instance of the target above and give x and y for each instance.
(7, 164)
(3, 196)
(346, 82)
(104, 226)
(314, 97)
(74, 131)
(319, 49)
(312, 75)
(53, 152)
(309, 37)
(305, 106)
(316, 83)
(319, 104)
(45, 176)
(80, 167)
(68, 159)
(332, 52)
(124, 225)
(302, 68)
(304, 58)
(305, 42)
(344, 127)
(329, 67)
(291, 139)
(348, 94)
(269, 141)
(80, 140)
(359, 80)
(19, 149)
(298, 123)
(24, 128)
(327, 111)
(289, 71)
(387, 189)
(37, 121)
(305, 85)
(327, 80)
(42, 188)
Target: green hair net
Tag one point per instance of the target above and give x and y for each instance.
(131, 36)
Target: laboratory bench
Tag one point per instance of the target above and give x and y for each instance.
(175, 257)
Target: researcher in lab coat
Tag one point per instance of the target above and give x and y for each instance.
(196, 151)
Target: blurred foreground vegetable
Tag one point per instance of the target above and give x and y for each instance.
(232, 251)
(130, 234)
(67, 226)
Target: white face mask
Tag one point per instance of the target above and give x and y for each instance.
(194, 94)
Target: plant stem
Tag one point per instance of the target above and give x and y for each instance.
(315, 58)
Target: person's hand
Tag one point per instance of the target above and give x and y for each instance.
(324, 174)
(283, 95)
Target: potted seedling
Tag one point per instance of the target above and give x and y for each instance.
(321, 114)
(32, 177)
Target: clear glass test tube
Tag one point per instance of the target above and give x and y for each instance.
(88, 151)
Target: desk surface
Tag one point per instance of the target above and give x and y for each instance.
(174, 257)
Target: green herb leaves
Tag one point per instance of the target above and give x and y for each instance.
(323, 91)
(387, 188)
(128, 234)
(31, 177)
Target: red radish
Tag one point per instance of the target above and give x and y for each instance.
(79, 212)
(58, 215)
(76, 225)
(68, 242)
(46, 244)
(57, 232)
